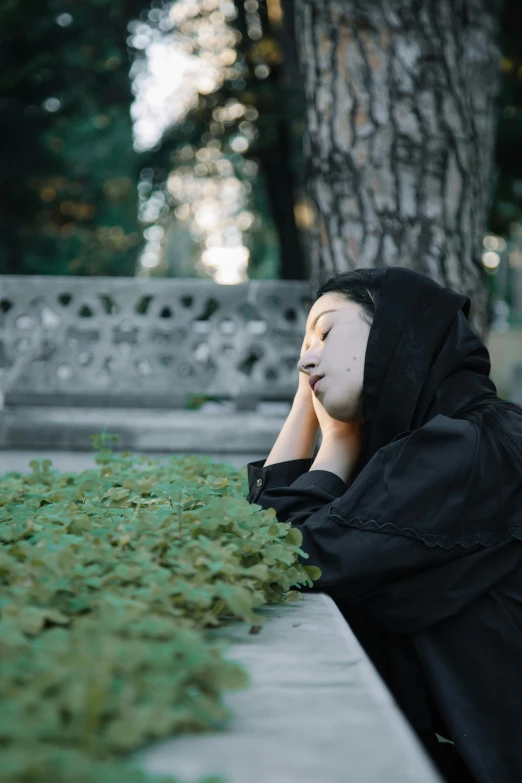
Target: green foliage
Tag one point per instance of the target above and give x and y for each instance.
(110, 581)
(68, 168)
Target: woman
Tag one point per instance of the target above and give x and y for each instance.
(412, 508)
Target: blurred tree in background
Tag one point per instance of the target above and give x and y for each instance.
(72, 177)
(400, 136)
(506, 212)
(221, 182)
(67, 165)
(164, 138)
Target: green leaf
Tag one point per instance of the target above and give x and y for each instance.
(238, 599)
(31, 620)
(234, 677)
(294, 537)
(259, 571)
(313, 572)
(10, 637)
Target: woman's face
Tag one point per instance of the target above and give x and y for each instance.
(336, 348)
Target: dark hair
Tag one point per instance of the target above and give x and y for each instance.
(362, 286)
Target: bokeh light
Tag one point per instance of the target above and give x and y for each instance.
(188, 50)
(490, 259)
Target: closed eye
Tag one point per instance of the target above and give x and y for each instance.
(325, 335)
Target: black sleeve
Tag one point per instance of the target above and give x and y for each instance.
(273, 487)
(387, 529)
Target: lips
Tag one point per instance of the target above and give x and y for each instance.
(313, 380)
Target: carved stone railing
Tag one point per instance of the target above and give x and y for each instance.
(80, 355)
(94, 341)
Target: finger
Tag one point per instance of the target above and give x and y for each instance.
(304, 347)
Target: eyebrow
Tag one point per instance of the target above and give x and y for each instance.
(314, 322)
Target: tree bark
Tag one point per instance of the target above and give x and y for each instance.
(400, 101)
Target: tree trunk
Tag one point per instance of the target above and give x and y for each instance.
(400, 109)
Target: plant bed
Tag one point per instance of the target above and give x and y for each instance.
(110, 581)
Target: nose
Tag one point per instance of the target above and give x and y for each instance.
(306, 366)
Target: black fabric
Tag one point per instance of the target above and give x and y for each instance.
(390, 539)
(421, 551)
(447, 759)
(422, 359)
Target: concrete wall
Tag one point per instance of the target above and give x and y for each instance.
(316, 712)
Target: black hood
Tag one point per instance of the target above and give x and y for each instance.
(422, 359)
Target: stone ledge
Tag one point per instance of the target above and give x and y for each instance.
(78, 461)
(48, 427)
(316, 712)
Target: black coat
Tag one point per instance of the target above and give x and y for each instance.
(421, 549)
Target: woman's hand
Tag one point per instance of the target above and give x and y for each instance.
(349, 434)
(304, 395)
(330, 426)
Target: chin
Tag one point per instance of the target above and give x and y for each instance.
(340, 414)
(351, 414)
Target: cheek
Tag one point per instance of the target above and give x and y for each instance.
(355, 371)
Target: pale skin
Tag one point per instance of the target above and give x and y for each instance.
(334, 345)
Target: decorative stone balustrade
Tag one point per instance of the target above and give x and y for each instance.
(80, 355)
(148, 343)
